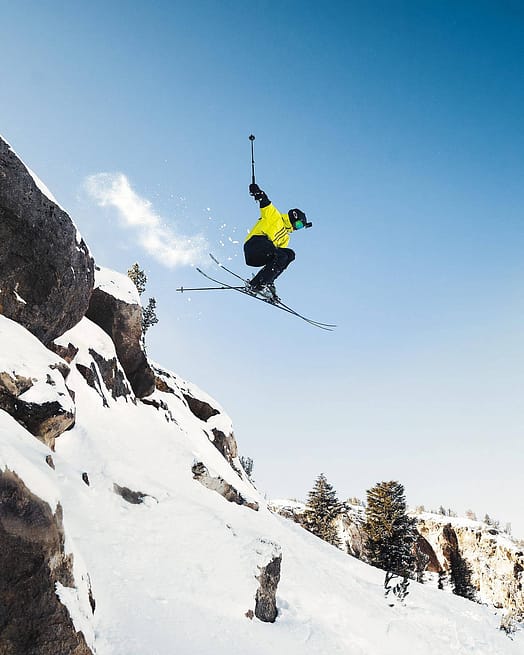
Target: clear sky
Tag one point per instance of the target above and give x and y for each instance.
(397, 126)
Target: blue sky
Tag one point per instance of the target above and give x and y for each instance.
(397, 127)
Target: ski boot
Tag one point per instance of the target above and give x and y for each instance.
(269, 292)
(266, 291)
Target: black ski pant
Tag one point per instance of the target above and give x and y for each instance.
(260, 251)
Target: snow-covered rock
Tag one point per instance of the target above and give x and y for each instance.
(32, 384)
(115, 307)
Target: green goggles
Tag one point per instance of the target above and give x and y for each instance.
(299, 223)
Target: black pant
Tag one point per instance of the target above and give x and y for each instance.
(260, 251)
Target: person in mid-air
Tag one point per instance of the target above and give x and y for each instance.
(266, 244)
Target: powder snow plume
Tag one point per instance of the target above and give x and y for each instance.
(158, 240)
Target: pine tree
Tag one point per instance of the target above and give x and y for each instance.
(322, 510)
(389, 535)
(460, 576)
(149, 317)
(138, 276)
(459, 571)
(247, 465)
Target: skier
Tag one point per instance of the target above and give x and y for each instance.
(266, 244)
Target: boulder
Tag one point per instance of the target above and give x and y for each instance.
(270, 560)
(46, 270)
(32, 563)
(121, 319)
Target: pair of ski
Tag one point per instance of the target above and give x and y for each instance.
(243, 289)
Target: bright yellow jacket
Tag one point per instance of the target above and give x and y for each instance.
(274, 225)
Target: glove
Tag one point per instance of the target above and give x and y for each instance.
(255, 191)
(259, 195)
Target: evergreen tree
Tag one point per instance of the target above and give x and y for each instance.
(460, 576)
(459, 569)
(149, 317)
(322, 510)
(247, 465)
(138, 276)
(389, 535)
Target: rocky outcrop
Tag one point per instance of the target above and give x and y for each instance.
(200, 408)
(218, 484)
(33, 621)
(426, 554)
(46, 271)
(225, 443)
(32, 385)
(47, 421)
(494, 563)
(122, 321)
(218, 431)
(105, 374)
(270, 560)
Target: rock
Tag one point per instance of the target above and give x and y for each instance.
(200, 408)
(270, 556)
(33, 621)
(68, 353)
(47, 421)
(32, 384)
(122, 321)
(46, 270)
(226, 445)
(218, 484)
(495, 562)
(105, 374)
(130, 496)
(217, 425)
(426, 552)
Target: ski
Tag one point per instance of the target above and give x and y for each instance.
(279, 305)
(228, 288)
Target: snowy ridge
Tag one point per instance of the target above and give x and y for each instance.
(178, 572)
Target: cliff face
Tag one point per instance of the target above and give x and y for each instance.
(495, 562)
(46, 270)
(32, 563)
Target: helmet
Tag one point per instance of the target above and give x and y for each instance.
(297, 219)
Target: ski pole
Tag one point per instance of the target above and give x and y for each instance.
(252, 139)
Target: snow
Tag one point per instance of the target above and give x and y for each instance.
(20, 299)
(116, 284)
(86, 335)
(26, 358)
(178, 573)
(41, 185)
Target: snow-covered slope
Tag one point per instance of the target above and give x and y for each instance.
(177, 573)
